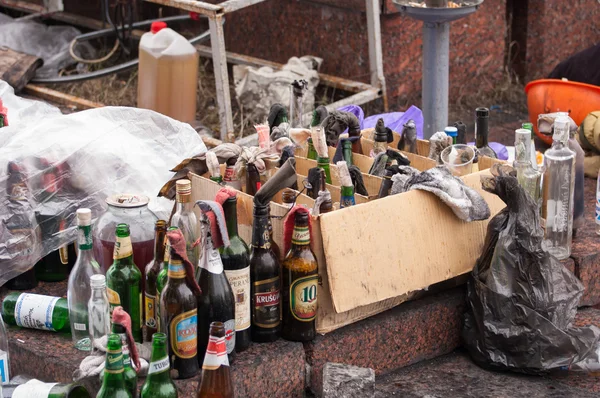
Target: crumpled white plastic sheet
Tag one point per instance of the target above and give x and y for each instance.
(84, 157)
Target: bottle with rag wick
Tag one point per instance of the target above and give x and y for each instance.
(168, 73)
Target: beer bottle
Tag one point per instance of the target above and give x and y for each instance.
(214, 168)
(33, 388)
(35, 311)
(124, 282)
(113, 385)
(152, 270)
(253, 183)
(158, 383)
(274, 246)
(299, 286)
(482, 130)
(265, 280)
(185, 219)
(347, 151)
(231, 177)
(311, 153)
(216, 302)
(179, 320)
(129, 374)
(216, 375)
(236, 263)
(79, 290)
(161, 280)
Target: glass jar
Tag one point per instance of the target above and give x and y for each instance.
(132, 210)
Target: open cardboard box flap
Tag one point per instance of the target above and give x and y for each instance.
(397, 245)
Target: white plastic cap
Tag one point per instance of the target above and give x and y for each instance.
(84, 216)
(97, 280)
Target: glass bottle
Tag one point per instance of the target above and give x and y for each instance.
(380, 143)
(274, 246)
(297, 90)
(185, 219)
(265, 280)
(35, 388)
(528, 177)
(578, 196)
(299, 286)
(236, 263)
(253, 183)
(129, 374)
(79, 291)
(312, 152)
(322, 161)
(162, 277)
(124, 282)
(98, 309)
(35, 311)
(288, 198)
(131, 210)
(216, 375)
(347, 196)
(179, 318)
(558, 191)
(113, 385)
(158, 383)
(216, 302)
(482, 130)
(529, 126)
(461, 132)
(231, 177)
(152, 270)
(4, 355)
(347, 151)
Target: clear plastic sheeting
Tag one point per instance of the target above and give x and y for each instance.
(51, 164)
(522, 301)
(50, 43)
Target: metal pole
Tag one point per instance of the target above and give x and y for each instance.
(375, 51)
(436, 49)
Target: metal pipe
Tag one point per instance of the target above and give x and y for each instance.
(436, 49)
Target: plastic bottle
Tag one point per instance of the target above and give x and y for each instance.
(168, 73)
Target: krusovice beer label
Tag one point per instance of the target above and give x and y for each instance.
(266, 303)
(303, 298)
(184, 334)
(216, 353)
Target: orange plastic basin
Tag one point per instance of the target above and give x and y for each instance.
(553, 95)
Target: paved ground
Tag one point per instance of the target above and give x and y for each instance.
(456, 376)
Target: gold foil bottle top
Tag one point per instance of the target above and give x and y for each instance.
(184, 190)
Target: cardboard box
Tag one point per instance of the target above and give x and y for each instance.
(376, 255)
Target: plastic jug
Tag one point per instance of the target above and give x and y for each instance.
(168, 73)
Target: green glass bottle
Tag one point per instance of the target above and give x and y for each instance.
(347, 151)
(36, 388)
(35, 311)
(124, 282)
(113, 385)
(161, 279)
(236, 263)
(323, 163)
(158, 384)
(312, 152)
(129, 375)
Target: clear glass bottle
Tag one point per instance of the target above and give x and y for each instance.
(558, 192)
(579, 198)
(4, 357)
(78, 292)
(185, 219)
(297, 90)
(98, 308)
(528, 177)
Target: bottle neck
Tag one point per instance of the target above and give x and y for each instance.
(184, 204)
(481, 132)
(123, 253)
(301, 237)
(113, 370)
(84, 238)
(159, 246)
(158, 370)
(261, 238)
(99, 293)
(175, 270)
(230, 210)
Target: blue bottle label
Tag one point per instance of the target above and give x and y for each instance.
(598, 210)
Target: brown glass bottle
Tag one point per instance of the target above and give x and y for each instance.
(179, 317)
(265, 280)
(216, 375)
(152, 269)
(252, 179)
(274, 246)
(299, 285)
(482, 130)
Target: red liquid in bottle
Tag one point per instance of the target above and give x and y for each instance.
(143, 253)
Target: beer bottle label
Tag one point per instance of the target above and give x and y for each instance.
(113, 299)
(4, 373)
(122, 248)
(162, 365)
(301, 236)
(239, 280)
(176, 270)
(303, 298)
(33, 389)
(125, 350)
(266, 303)
(230, 335)
(114, 362)
(183, 334)
(34, 311)
(213, 263)
(150, 305)
(216, 353)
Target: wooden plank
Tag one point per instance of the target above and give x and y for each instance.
(17, 68)
(60, 98)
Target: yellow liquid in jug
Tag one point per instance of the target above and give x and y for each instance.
(168, 85)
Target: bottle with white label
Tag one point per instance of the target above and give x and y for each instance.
(38, 389)
(236, 263)
(35, 311)
(216, 302)
(158, 378)
(4, 360)
(79, 291)
(216, 374)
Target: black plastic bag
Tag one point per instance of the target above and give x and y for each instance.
(522, 300)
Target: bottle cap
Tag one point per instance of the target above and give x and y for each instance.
(84, 216)
(157, 26)
(97, 280)
(183, 187)
(482, 112)
(451, 131)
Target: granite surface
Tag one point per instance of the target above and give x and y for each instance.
(407, 334)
